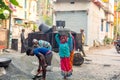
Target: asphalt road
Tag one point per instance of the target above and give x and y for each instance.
(100, 64)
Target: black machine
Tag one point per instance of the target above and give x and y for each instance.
(60, 23)
(43, 28)
(46, 33)
(78, 59)
(117, 45)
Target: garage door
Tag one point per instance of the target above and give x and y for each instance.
(73, 19)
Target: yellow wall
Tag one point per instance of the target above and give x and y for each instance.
(115, 20)
(106, 1)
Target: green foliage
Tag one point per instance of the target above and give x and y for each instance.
(118, 7)
(3, 7)
(115, 30)
(34, 27)
(118, 33)
(2, 16)
(47, 19)
(14, 2)
(107, 40)
(25, 25)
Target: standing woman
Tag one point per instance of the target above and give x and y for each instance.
(72, 49)
(64, 53)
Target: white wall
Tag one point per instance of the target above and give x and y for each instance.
(112, 5)
(95, 15)
(19, 13)
(69, 7)
(33, 11)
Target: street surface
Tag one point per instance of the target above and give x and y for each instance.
(100, 64)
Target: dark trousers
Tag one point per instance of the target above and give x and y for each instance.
(48, 58)
(23, 47)
(81, 49)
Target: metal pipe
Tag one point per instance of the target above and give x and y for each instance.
(116, 20)
(10, 32)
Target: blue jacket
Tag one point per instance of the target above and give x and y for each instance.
(41, 50)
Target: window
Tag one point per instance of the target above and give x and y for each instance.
(18, 21)
(107, 26)
(102, 25)
(25, 14)
(25, 4)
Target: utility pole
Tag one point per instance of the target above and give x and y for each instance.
(117, 19)
(117, 1)
(10, 32)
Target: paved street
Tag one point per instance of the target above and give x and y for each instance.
(92, 22)
(100, 64)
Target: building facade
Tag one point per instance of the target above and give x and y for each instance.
(94, 16)
(23, 17)
(117, 17)
(45, 11)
